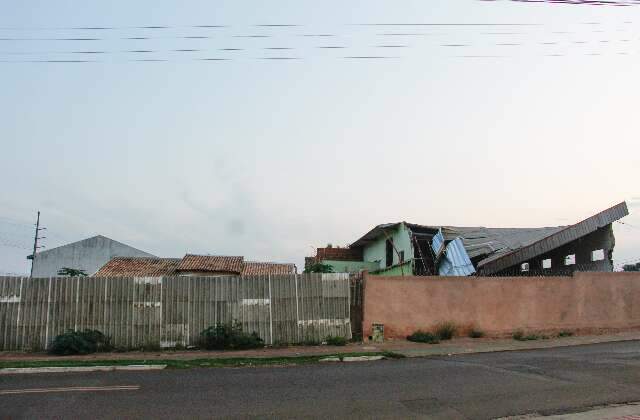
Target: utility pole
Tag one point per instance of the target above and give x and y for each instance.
(35, 243)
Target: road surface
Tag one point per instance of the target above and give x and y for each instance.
(475, 386)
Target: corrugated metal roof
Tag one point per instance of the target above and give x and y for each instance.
(138, 267)
(253, 268)
(212, 263)
(496, 263)
(485, 241)
(456, 262)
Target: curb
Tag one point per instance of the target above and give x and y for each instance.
(353, 359)
(453, 352)
(70, 369)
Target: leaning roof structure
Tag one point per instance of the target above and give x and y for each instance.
(506, 247)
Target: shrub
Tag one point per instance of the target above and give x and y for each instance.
(565, 334)
(476, 333)
(446, 330)
(423, 337)
(80, 342)
(229, 337)
(520, 336)
(336, 341)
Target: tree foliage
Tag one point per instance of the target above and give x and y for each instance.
(71, 272)
(319, 268)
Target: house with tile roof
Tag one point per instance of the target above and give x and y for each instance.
(191, 265)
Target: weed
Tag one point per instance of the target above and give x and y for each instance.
(565, 334)
(520, 336)
(476, 333)
(336, 341)
(229, 337)
(446, 330)
(423, 337)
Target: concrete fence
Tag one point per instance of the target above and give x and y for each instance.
(501, 305)
(172, 311)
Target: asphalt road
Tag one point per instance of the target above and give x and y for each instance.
(468, 386)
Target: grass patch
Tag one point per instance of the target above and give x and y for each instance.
(423, 337)
(446, 330)
(231, 362)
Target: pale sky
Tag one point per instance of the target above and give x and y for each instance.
(526, 115)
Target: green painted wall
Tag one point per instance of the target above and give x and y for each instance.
(351, 266)
(397, 270)
(376, 252)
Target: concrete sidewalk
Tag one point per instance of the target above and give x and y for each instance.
(629, 411)
(403, 347)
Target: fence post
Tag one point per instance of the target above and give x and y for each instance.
(46, 328)
(18, 335)
(270, 313)
(297, 310)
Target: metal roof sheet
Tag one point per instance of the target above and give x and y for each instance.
(456, 262)
(496, 263)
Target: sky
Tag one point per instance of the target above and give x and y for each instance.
(498, 114)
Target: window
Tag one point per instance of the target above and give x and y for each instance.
(597, 255)
(546, 264)
(389, 252)
(524, 267)
(570, 259)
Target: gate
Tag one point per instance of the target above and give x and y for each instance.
(356, 299)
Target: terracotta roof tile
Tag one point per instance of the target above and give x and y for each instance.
(252, 268)
(138, 267)
(211, 263)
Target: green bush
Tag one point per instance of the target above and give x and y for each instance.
(335, 341)
(520, 336)
(80, 342)
(229, 337)
(476, 333)
(423, 337)
(446, 330)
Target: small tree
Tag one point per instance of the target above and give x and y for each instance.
(319, 268)
(71, 272)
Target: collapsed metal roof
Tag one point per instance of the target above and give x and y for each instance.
(505, 247)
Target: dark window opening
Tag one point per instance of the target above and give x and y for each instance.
(401, 257)
(389, 261)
